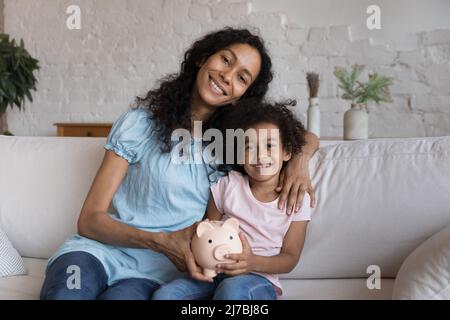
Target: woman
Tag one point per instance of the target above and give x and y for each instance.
(157, 203)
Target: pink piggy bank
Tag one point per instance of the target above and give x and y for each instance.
(213, 240)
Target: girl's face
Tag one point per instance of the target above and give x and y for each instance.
(225, 76)
(264, 153)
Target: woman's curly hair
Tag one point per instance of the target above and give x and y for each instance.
(170, 103)
(249, 112)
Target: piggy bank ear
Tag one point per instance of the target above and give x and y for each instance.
(232, 223)
(203, 227)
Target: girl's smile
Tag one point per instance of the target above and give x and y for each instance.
(263, 165)
(264, 157)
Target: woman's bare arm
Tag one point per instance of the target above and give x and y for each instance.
(295, 179)
(312, 144)
(290, 253)
(95, 223)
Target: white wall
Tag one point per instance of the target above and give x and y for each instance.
(400, 19)
(1, 16)
(124, 47)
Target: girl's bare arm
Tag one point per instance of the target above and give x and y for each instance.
(290, 252)
(284, 262)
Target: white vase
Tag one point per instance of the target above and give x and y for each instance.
(313, 121)
(356, 122)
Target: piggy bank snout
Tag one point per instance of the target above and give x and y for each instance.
(221, 251)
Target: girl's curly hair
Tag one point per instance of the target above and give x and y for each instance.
(249, 112)
(170, 103)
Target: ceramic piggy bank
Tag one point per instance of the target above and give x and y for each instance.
(213, 240)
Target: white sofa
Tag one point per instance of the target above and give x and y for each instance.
(377, 200)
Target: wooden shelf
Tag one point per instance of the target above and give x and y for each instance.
(71, 129)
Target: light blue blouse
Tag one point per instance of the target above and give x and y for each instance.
(156, 194)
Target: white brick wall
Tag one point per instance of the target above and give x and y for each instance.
(124, 47)
(1, 16)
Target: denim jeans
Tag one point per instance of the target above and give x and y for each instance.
(241, 287)
(93, 281)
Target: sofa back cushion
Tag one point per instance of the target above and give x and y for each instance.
(377, 200)
(43, 184)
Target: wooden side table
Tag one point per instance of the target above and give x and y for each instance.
(83, 129)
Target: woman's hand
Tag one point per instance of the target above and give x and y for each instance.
(295, 179)
(244, 261)
(177, 247)
(294, 182)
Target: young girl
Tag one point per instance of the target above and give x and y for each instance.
(272, 241)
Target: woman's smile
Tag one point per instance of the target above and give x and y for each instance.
(215, 87)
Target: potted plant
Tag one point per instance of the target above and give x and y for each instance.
(376, 89)
(16, 77)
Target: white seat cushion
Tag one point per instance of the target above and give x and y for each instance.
(25, 287)
(29, 286)
(335, 289)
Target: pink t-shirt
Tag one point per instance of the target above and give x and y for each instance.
(263, 223)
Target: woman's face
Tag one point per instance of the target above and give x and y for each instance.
(225, 76)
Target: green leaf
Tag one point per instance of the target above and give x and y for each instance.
(375, 89)
(28, 95)
(17, 69)
(3, 107)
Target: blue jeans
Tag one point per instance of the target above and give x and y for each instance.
(60, 282)
(241, 287)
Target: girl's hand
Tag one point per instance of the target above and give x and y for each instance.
(294, 182)
(244, 260)
(177, 247)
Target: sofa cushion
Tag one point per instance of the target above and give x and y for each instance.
(377, 200)
(11, 262)
(44, 181)
(26, 287)
(335, 289)
(425, 274)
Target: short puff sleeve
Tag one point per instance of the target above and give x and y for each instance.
(130, 135)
